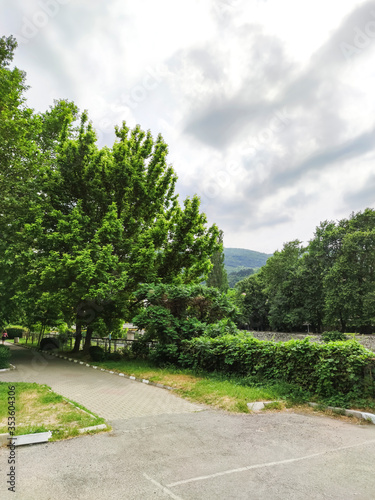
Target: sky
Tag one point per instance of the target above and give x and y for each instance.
(267, 107)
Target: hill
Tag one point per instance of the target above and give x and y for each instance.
(236, 259)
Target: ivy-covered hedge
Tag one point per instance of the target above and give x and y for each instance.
(4, 356)
(325, 369)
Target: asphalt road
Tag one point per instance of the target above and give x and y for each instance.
(201, 455)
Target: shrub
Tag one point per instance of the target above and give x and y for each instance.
(97, 353)
(48, 344)
(14, 332)
(165, 354)
(222, 327)
(4, 356)
(335, 368)
(114, 356)
(333, 336)
(140, 348)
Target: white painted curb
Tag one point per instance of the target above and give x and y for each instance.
(12, 367)
(39, 437)
(259, 405)
(354, 413)
(93, 428)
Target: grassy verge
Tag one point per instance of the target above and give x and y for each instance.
(29, 343)
(221, 391)
(38, 409)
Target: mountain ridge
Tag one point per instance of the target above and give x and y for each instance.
(236, 259)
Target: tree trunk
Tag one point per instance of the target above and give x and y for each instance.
(89, 332)
(78, 339)
(41, 333)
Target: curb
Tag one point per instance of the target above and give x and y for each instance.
(131, 377)
(370, 417)
(257, 406)
(41, 437)
(12, 367)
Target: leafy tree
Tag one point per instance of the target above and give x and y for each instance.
(283, 288)
(236, 276)
(218, 276)
(252, 302)
(97, 223)
(173, 313)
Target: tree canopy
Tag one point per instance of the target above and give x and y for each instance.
(329, 284)
(82, 227)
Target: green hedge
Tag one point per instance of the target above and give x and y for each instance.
(325, 369)
(4, 356)
(14, 332)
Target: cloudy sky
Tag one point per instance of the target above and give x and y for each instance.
(267, 106)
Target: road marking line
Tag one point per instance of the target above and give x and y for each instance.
(269, 464)
(163, 488)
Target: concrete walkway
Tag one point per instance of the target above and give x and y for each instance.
(108, 395)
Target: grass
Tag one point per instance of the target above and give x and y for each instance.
(218, 390)
(38, 409)
(223, 391)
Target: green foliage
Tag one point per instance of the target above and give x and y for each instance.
(4, 356)
(218, 276)
(140, 348)
(49, 344)
(222, 327)
(333, 336)
(97, 353)
(324, 369)
(80, 226)
(15, 332)
(114, 356)
(328, 284)
(172, 313)
(253, 303)
(236, 276)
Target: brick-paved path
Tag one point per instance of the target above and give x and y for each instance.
(110, 396)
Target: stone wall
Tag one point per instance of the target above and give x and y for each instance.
(367, 341)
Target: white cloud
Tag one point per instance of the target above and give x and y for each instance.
(266, 105)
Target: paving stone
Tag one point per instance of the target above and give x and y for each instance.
(108, 395)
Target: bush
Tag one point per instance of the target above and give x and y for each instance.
(48, 344)
(335, 368)
(165, 354)
(15, 332)
(222, 327)
(114, 356)
(333, 336)
(140, 348)
(4, 356)
(97, 353)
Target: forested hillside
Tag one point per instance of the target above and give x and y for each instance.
(239, 258)
(240, 263)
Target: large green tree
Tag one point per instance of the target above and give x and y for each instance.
(84, 226)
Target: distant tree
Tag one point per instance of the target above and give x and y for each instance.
(252, 302)
(218, 276)
(236, 276)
